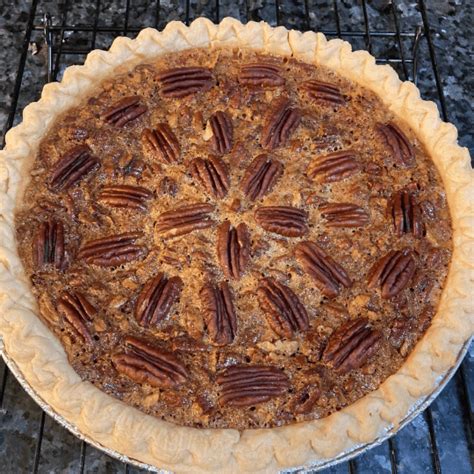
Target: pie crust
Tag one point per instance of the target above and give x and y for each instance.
(117, 426)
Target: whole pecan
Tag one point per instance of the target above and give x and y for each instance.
(132, 197)
(402, 150)
(351, 345)
(112, 250)
(48, 245)
(161, 143)
(260, 177)
(327, 274)
(392, 272)
(284, 311)
(77, 311)
(324, 91)
(219, 313)
(280, 124)
(333, 167)
(73, 166)
(247, 385)
(124, 111)
(183, 81)
(212, 174)
(156, 299)
(406, 214)
(184, 219)
(233, 249)
(144, 363)
(223, 131)
(261, 75)
(284, 220)
(344, 214)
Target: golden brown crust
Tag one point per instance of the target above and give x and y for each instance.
(447, 333)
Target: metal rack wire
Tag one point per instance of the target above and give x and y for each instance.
(404, 55)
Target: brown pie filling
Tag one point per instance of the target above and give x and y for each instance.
(224, 239)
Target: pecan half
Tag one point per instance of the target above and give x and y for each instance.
(48, 246)
(344, 214)
(144, 363)
(351, 345)
(233, 249)
(132, 197)
(324, 91)
(223, 132)
(327, 274)
(261, 75)
(161, 143)
(246, 385)
(124, 111)
(284, 220)
(212, 174)
(73, 166)
(112, 250)
(77, 311)
(280, 124)
(156, 299)
(219, 313)
(402, 150)
(406, 214)
(284, 311)
(183, 81)
(260, 177)
(392, 272)
(333, 167)
(184, 219)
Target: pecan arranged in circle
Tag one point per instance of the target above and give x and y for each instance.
(351, 345)
(144, 363)
(344, 214)
(156, 299)
(184, 219)
(73, 166)
(261, 75)
(260, 177)
(392, 272)
(247, 385)
(324, 91)
(183, 81)
(131, 197)
(124, 111)
(406, 214)
(112, 250)
(77, 311)
(233, 249)
(280, 125)
(219, 313)
(48, 246)
(327, 274)
(333, 167)
(285, 313)
(284, 220)
(161, 143)
(402, 150)
(212, 174)
(223, 131)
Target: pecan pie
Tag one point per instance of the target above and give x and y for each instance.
(223, 238)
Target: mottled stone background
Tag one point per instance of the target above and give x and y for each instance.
(452, 23)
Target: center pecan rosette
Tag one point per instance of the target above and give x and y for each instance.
(247, 245)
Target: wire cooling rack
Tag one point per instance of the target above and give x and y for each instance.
(440, 439)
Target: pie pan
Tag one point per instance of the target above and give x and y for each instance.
(40, 363)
